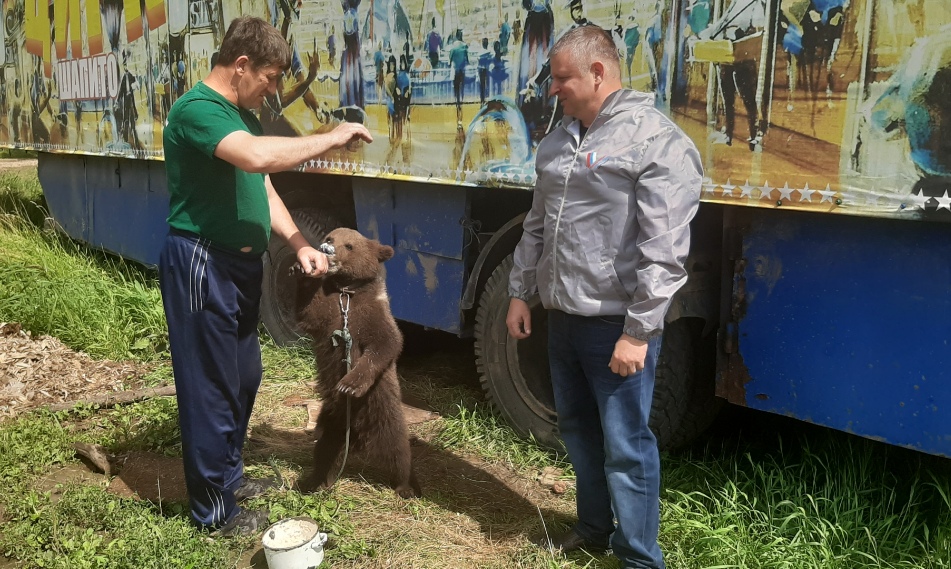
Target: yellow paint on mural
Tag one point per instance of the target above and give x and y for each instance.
(61, 27)
(780, 118)
(68, 23)
(155, 11)
(67, 27)
(93, 28)
(37, 28)
(133, 20)
(75, 28)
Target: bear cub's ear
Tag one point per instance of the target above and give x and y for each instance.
(384, 253)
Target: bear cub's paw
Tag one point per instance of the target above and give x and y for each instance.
(354, 385)
(408, 492)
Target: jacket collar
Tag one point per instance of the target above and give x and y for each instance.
(617, 102)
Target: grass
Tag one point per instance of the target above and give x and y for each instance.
(803, 498)
(473, 428)
(17, 153)
(757, 492)
(82, 526)
(87, 299)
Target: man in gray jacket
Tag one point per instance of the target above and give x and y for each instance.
(604, 246)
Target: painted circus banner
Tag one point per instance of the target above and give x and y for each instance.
(826, 105)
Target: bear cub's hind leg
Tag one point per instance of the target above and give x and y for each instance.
(328, 454)
(399, 459)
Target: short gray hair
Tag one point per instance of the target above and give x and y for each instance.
(587, 44)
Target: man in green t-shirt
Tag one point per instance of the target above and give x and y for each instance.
(222, 210)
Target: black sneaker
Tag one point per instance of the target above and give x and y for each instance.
(254, 487)
(245, 524)
(571, 541)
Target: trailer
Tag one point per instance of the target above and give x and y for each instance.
(819, 275)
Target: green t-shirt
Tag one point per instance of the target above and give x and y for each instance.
(207, 195)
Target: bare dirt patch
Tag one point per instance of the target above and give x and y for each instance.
(17, 164)
(152, 477)
(36, 371)
(58, 479)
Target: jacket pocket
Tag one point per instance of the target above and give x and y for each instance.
(616, 284)
(602, 280)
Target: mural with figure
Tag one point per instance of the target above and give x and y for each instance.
(821, 105)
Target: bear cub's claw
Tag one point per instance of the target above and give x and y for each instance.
(352, 386)
(407, 492)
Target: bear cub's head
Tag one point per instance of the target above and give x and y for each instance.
(353, 257)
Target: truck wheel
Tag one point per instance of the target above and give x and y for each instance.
(279, 289)
(517, 381)
(684, 400)
(514, 373)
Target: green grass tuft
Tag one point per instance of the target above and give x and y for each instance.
(90, 528)
(85, 527)
(92, 301)
(28, 446)
(477, 430)
(831, 502)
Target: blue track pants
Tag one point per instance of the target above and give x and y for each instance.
(212, 299)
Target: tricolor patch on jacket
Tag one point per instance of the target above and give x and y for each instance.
(592, 160)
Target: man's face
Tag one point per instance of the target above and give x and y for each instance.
(257, 83)
(573, 86)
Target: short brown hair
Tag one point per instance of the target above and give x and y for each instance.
(261, 42)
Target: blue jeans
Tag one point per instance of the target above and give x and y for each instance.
(602, 418)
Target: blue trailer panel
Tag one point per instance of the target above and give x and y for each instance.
(845, 322)
(119, 205)
(63, 178)
(425, 225)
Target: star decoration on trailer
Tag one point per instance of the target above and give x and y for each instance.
(746, 190)
(785, 192)
(727, 188)
(805, 194)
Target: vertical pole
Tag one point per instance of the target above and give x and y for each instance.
(867, 37)
(712, 75)
(767, 67)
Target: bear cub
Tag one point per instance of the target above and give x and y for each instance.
(355, 282)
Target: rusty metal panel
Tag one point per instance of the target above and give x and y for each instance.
(844, 323)
(425, 226)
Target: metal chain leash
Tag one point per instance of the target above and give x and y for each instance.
(338, 337)
(343, 335)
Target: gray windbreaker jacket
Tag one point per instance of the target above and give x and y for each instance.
(608, 231)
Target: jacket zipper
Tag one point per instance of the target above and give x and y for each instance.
(561, 207)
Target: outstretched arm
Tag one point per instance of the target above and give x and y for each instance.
(300, 87)
(267, 154)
